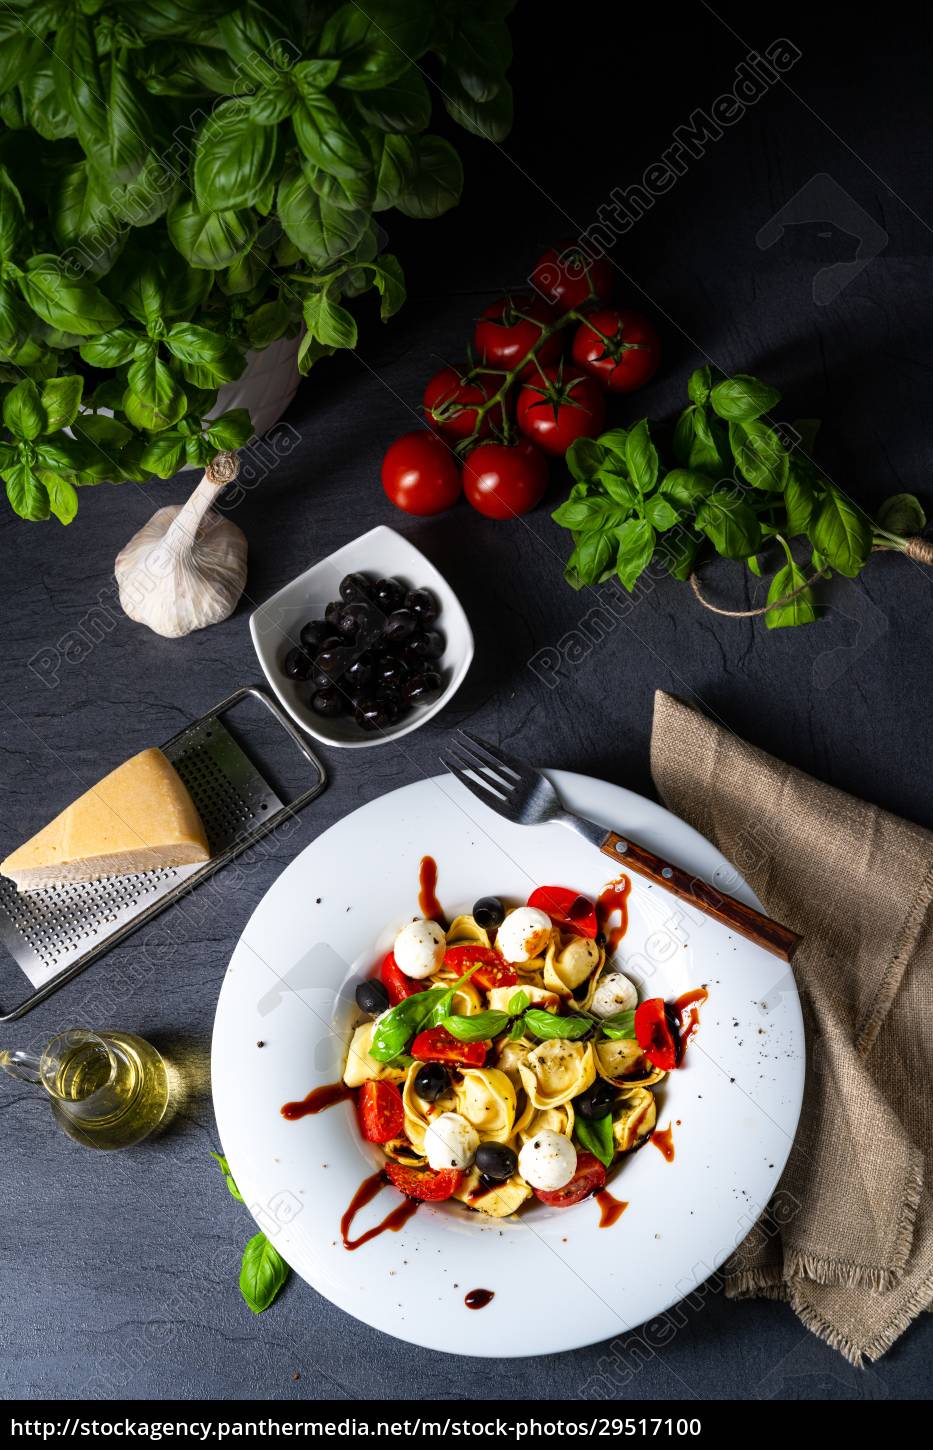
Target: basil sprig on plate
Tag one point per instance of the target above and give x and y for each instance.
(545, 1025)
(407, 1018)
(621, 1025)
(735, 486)
(595, 1134)
(479, 1027)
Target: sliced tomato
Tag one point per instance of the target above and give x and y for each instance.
(429, 1187)
(493, 971)
(589, 1178)
(653, 1034)
(571, 911)
(436, 1044)
(395, 981)
(382, 1114)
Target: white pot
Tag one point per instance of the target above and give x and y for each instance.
(266, 385)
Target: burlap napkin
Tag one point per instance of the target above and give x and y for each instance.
(854, 1258)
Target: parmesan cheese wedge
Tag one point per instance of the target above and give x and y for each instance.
(140, 817)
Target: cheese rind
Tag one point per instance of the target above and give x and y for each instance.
(140, 817)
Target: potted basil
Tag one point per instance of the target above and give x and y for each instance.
(188, 192)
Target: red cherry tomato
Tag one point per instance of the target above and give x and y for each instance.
(653, 1034)
(450, 403)
(395, 981)
(590, 1177)
(504, 480)
(493, 971)
(436, 1044)
(420, 473)
(621, 349)
(564, 274)
(503, 338)
(571, 911)
(557, 407)
(382, 1115)
(428, 1187)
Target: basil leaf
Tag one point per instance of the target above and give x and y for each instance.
(760, 456)
(110, 349)
(516, 1030)
(698, 385)
(436, 182)
(231, 430)
(620, 1025)
(613, 477)
(584, 457)
(660, 512)
(404, 106)
(152, 382)
(322, 233)
(224, 1166)
(12, 215)
(687, 487)
(797, 611)
(902, 514)
(440, 1011)
(234, 158)
(677, 552)
(742, 399)
(262, 1273)
(545, 1025)
(518, 1002)
(328, 322)
(144, 414)
(72, 305)
(376, 45)
(61, 399)
(595, 1135)
(636, 540)
(799, 500)
(163, 456)
(479, 1027)
(206, 349)
(641, 457)
(492, 119)
(730, 525)
(62, 495)
(327, 139)
(841, 532)
(390, 284)
(708, 449)
(25, 492)
(23, 413)
(210, 238)
(402, 1022)
(590, 559)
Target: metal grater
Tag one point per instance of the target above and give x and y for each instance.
(54, 934)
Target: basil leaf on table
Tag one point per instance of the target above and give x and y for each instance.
(730, 524)
(842, 532)
(800, 610)
(479, 1027)
(224, 1167)
(262, 1273)
(641, 456)
(743, 399)
(595, 1135)
(636, 540)
(902, 514)
(545, 1025)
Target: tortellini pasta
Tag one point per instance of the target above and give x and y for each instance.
(508, 1057)
(633, 1118)
(569, 962)
(466, 931)
(539, 1120)
(500, 997)
(360, 1067)
(621, 1061)
(499, 1201)
(557, 1071)
(486, 1098)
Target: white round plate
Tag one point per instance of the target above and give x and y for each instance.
(559, 1281)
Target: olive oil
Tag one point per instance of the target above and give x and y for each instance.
(107, 1089)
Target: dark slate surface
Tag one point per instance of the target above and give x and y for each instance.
(119, 1274)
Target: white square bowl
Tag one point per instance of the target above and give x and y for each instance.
(382, 553)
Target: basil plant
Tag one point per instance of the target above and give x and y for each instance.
(182, 181)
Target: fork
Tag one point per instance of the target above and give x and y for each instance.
(525, 796)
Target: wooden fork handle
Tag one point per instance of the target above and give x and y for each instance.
(732, 913)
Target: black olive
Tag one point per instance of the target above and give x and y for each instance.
(596, 1101)
(392, 704)
(297, 665)
(496, 1161)
(426, 644)
(358, 673)
(328, 702)
(399, 625)
(430, 1081)
(488, 912)
(355, 587)
(371, 996)
(419, 687)
(313, 635)
(371, 714)
(423, 605)
(332, 659)
(389, 594)
(389, 671)
(347, 623)
(333, 612)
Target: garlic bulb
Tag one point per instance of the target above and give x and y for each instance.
(186, 568)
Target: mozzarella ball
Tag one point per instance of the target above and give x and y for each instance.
(450, 1142)
(547, 1161)
(524, 934)
(615, 993)
(419, 948)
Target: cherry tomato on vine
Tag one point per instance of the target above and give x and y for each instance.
(504, 480)
(450, 403)
(508, 330)
(420, 473)
(621, 349)
(590, 1177)
(559, 406)
(564, 274)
